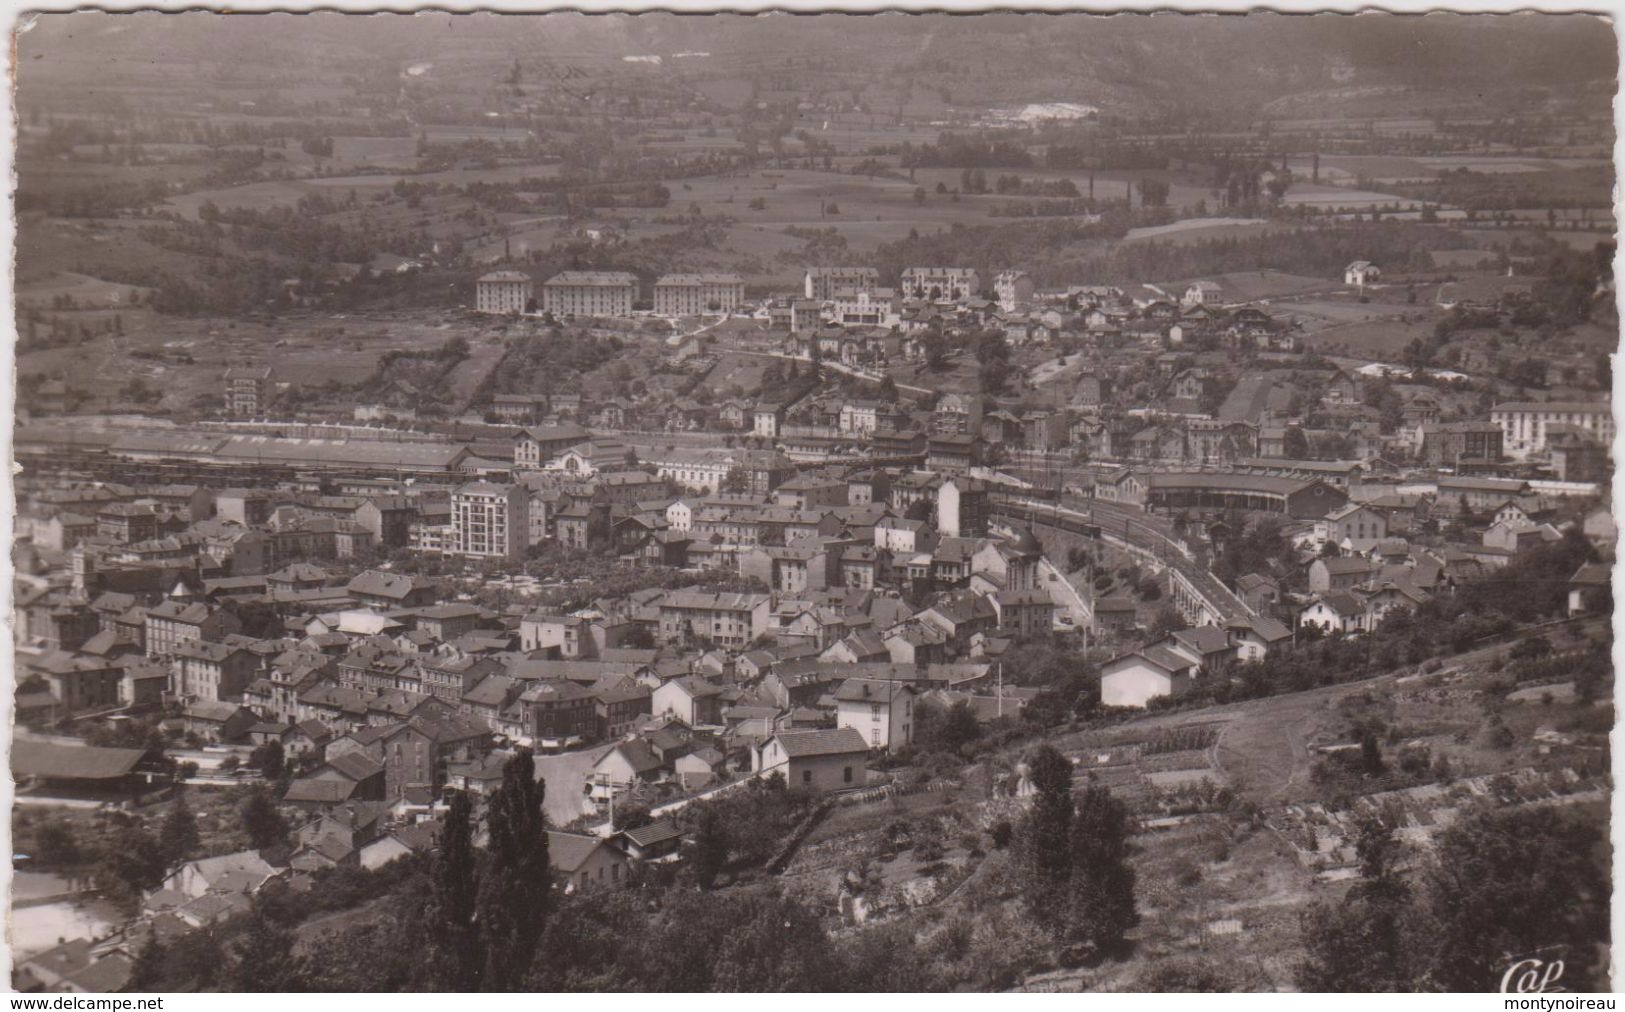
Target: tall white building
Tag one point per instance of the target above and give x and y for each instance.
(821, 283)
(490, 521)
(1526, 425)
(507, 292)
(939, 284)
(590, 293)
(697, 294)
(859, 308)
(1014, 290)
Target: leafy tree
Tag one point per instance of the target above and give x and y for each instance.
(632, 815)
(1193, 975)
(56, 845)
(262, 959)
(772, 944)
(944, 729)
(1362, 944)
(129, 864)
(262, 823)
(935, 347)
(1153, 192)
(147, 971)
(1294, 444)
(1371, 763)
(178, 835)
(513, 896)
(195, 961)
(268, 758)
(708, 851)
(1511, 881)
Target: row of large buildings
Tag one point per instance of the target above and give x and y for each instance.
(613, 293)
(587, 294)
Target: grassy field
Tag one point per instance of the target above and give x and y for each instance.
(1193, 229)
(1263, 284)
(1381, 337)
(186, 357)
(735, 375)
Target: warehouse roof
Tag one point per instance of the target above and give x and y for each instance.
(71, 762)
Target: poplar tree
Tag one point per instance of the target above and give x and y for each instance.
(1101, 890)
(453, 962)
(1044, 840)
(178, 836)
(513, 893)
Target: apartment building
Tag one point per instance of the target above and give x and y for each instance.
(590, 293)
(727, 620)
(248, 392)
(822, 283)
(697, 294)
(490, 521)
(505, 292)
(1526, 424)
(952, 284)
(1014, 290)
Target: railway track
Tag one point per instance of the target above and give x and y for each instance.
(1141, 536)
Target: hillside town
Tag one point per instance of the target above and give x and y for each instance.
(373, 616)
(958, 618)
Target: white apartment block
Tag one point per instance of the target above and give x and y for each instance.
(861, 308)
(698, 294)
(1525, 424)
(822, 283)
(692, 471)
(506, 292)
(952, 284)
(590, 293)
(860, 417)
(1014, 290)
(490, 521)
(728, 620)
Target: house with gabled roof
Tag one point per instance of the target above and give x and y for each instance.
(1338, 573)
(628, 764)
(244, 871)
(659, 841)
(1136, 678)
(881, 710)
(1588, 587)
(691, 699)
(393, 590)
(817, 760)
(584, 861)
(1335, 611)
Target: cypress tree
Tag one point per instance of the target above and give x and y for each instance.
(1102, 884)
(1044, 841)
(178, 836)
(453, 962)
(709, 851)
(513, 894)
